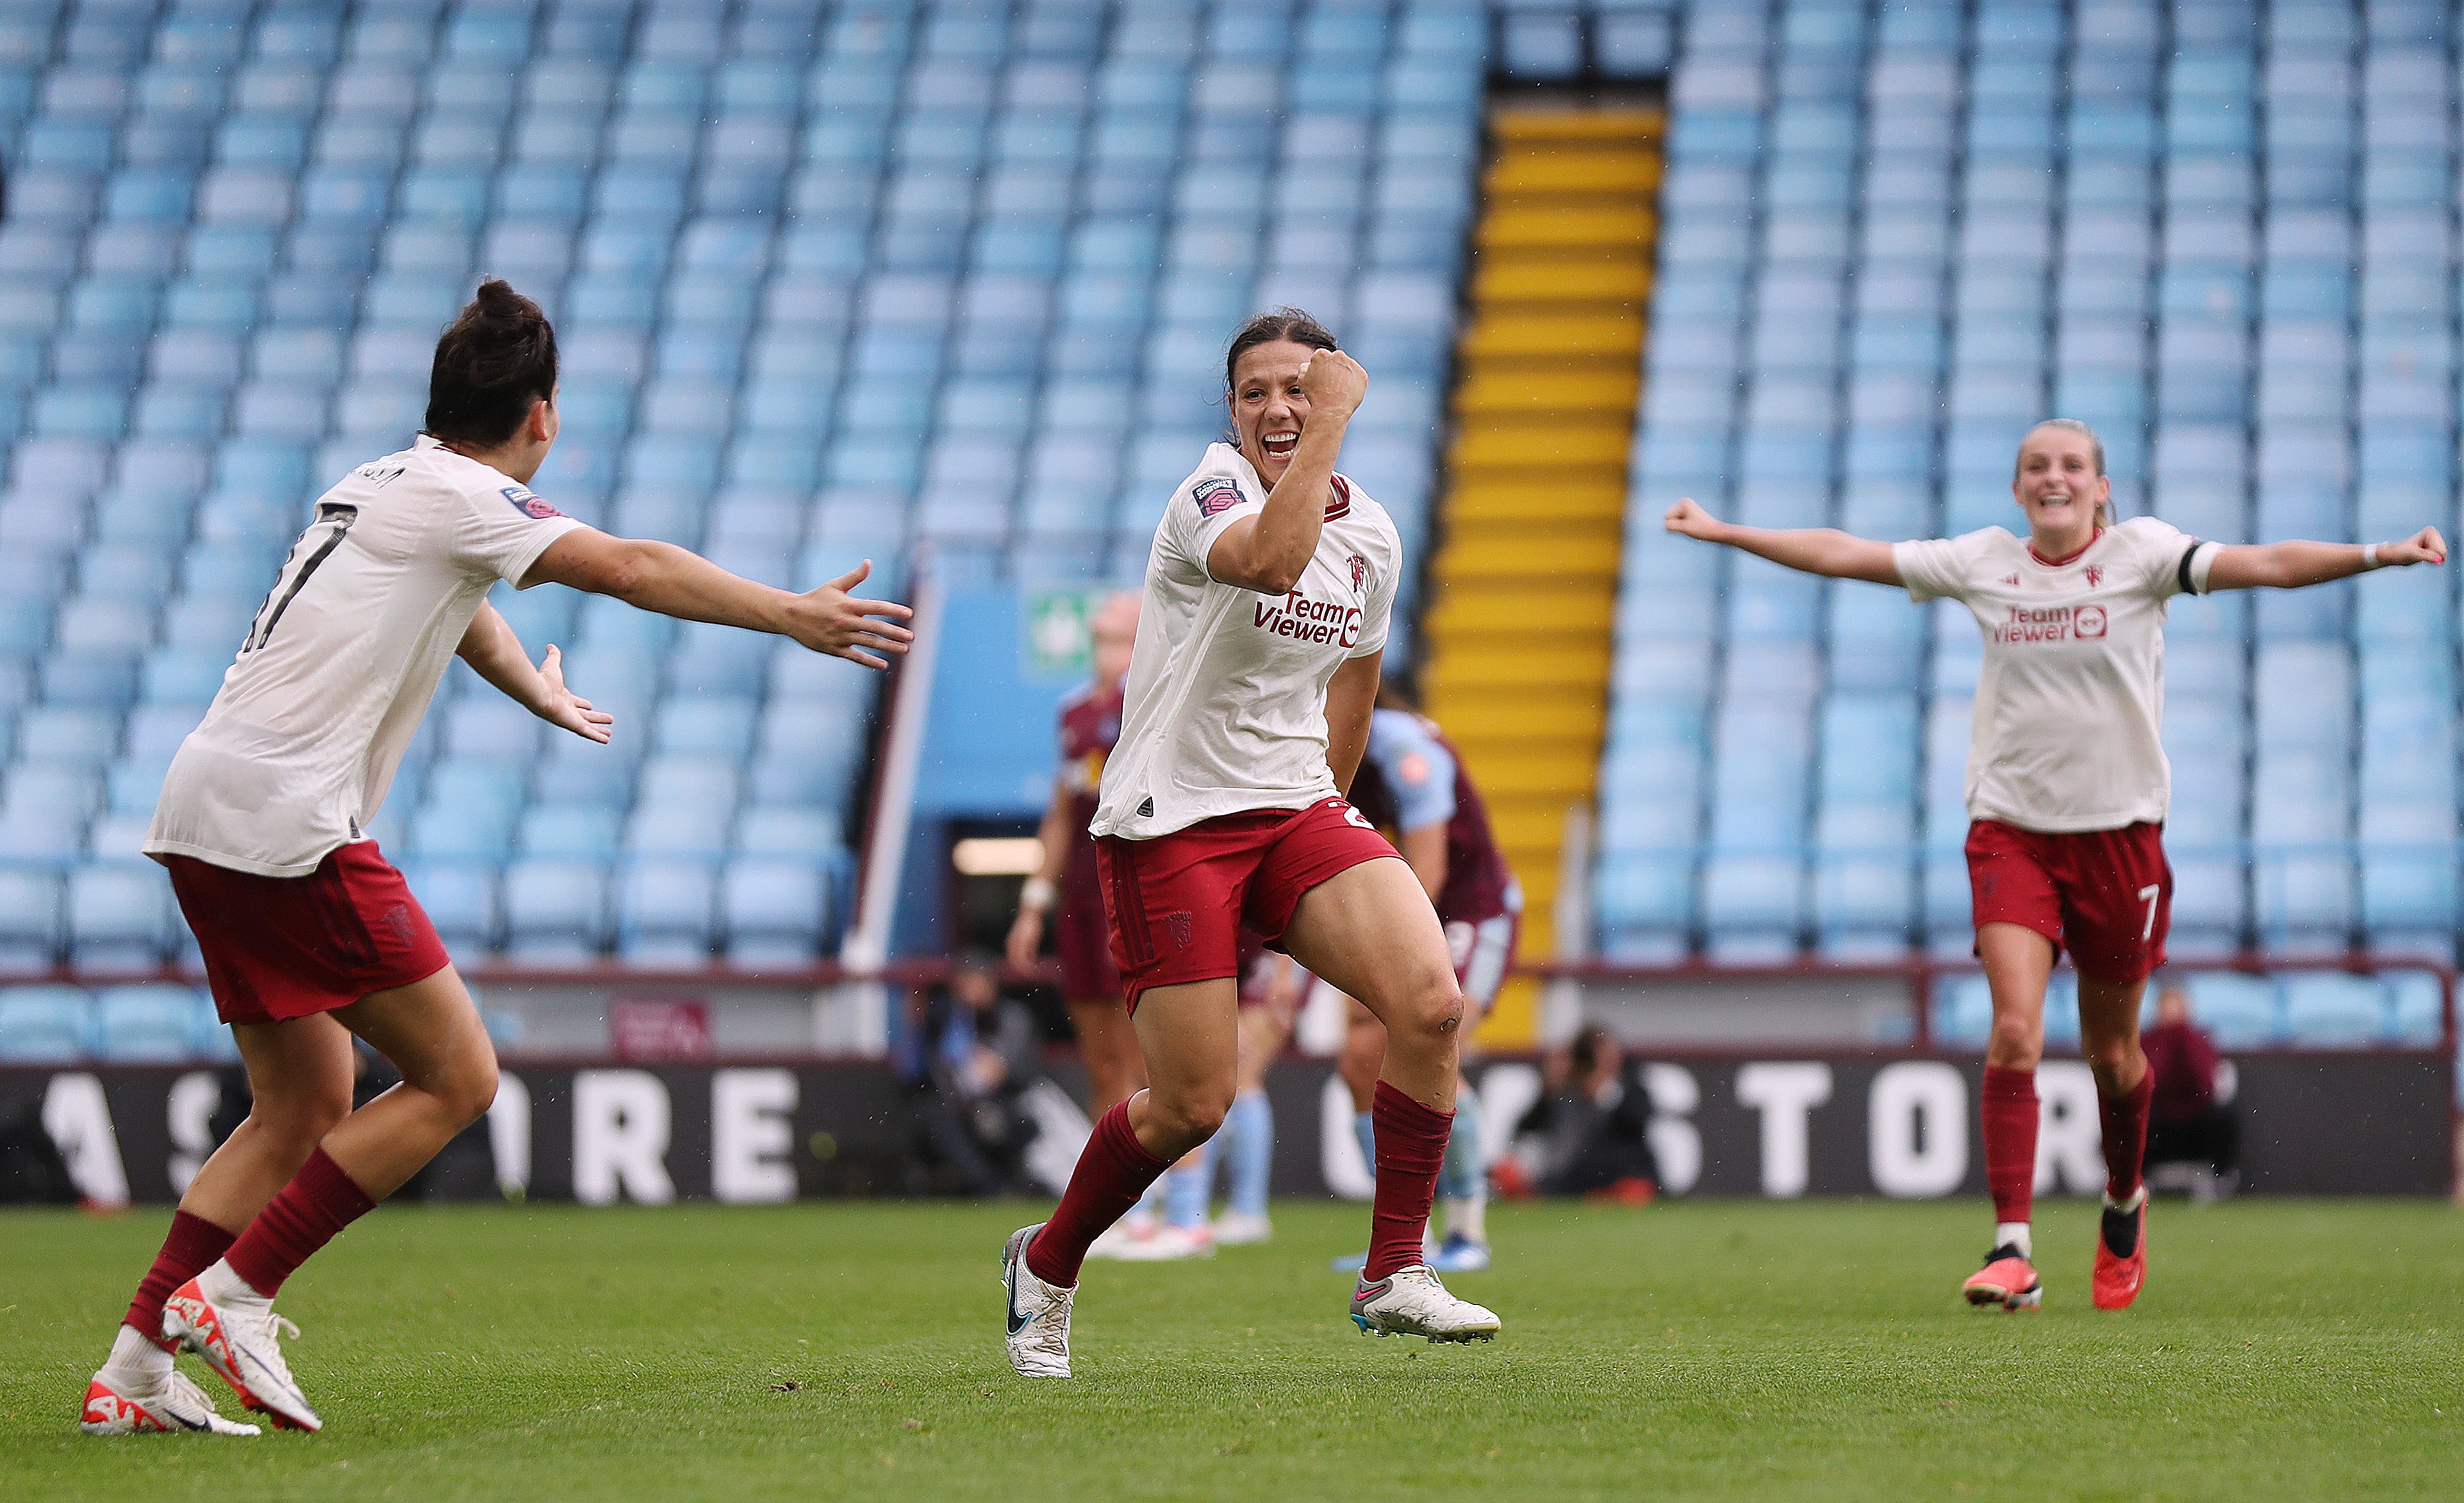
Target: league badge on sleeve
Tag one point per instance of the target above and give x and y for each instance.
(1216, 495)
(529, 505)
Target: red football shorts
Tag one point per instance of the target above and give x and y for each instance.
(2104, 895)
(280, 947)
(1177, 903)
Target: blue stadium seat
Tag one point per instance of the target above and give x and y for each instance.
(777, 910)
(2416, 1008)
(120, 916)
(2240, 1011)
(665, 912)
(556, 911)
(2327, 1009)
(144, 1023)
(45, 1025)
(29, 919)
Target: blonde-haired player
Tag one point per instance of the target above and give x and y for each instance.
(2067, 788)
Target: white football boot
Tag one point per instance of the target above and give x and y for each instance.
(1410, 1301)
(1238, 1229)
(216, 1316)
(139, 1392)
(1038, 1316)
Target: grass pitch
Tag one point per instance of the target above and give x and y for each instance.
(1711, 1350)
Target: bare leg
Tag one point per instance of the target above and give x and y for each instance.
(1370, 932)
(1263, 1033)
(2019, 962)
(433, 1035)
(1190, 1037)
(1108, 1044)
(1364, 1054)
(299, 1074)
(2109, 1033)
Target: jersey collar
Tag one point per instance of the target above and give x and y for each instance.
(2072, 558)
(1341, 505)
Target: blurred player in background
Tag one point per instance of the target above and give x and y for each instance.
(1413, 782)
(309, 935)
(1091, 722)
(2067, 789)
(1267, 597)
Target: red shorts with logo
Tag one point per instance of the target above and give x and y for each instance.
(1177, 903)
(2104, 895)
(280, 947)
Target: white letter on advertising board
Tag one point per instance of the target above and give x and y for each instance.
(1675, 1144)
(189, 1111)
(78, 1119)
(1916, 1131)
(620, 1138)
(2070, 1140)
(749, 1135)
(1784, 1094)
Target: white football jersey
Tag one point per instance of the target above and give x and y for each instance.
(2072, 691)
(296, 752)
(1225, 706)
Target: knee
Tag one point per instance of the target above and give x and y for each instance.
(2109, 1058)
(1190, 1117)
(1429, 1014)
(2015, 1042)
(301, 1118)
(467, 1087)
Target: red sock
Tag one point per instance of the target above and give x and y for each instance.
(2123, 1119)
(192, 1247)
(2010, 1111)
(320, 1200)
(1410, 1146)
(1112, 1172)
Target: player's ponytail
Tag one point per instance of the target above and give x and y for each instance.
(495, 360)
(1266, 328)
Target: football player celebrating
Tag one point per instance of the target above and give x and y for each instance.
(1267, 594)
(2067, 789)
(309, 935)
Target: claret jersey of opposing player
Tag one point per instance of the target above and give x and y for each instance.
(1224, 707)
(2072, 692)
(296, 751)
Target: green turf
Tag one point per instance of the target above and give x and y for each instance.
(1702, 1350)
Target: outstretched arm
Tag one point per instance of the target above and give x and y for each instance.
(663, 578)
(1813, 549)
(2291, 565)
(496, 654)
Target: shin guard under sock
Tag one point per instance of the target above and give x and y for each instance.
(320, 1200)
(2009, 1109)
(1112, 1169)
(1411, 1146)
(193, 1247)
(2123, 1120)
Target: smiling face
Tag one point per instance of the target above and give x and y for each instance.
(1268, 407)
(2059, 486)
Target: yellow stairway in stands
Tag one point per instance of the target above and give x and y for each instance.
(1525, 586)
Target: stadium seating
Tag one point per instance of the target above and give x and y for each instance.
(832, 277)
(1894, 237)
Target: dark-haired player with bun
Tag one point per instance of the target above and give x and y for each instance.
(1244, 717)
(309, 935)
(2067, 789)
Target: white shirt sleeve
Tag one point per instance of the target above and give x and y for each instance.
(1936, 568)
(1210, 504)
(2173, 561)
(502, 531)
